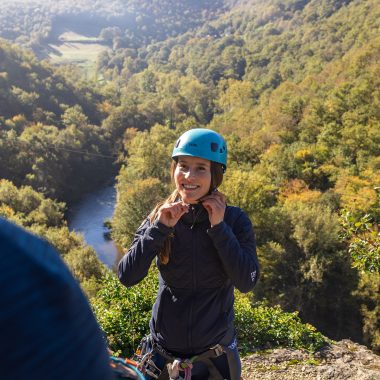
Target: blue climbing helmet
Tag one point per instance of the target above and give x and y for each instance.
(204, 143)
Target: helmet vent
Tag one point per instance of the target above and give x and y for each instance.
(177, 144)
(214, 147)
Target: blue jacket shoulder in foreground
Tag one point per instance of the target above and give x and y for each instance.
(47, 327)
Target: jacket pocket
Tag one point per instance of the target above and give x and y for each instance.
(171, 319)
(211, 314)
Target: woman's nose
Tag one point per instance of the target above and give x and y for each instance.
(189, 174)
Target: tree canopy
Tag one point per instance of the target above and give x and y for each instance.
(292, 85)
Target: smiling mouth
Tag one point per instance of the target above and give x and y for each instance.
(190, 187)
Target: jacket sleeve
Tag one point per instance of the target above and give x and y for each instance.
(148, 240)
(237, 250)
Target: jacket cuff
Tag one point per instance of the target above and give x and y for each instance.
(165, 230)
(217, 229)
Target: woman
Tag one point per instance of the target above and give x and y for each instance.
(204, 250)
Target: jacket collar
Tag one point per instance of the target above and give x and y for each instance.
(197, 214)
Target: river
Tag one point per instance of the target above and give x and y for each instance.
(87, 217)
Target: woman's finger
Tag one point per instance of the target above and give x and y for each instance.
(214, 202)
(175, 210)
(215, 195)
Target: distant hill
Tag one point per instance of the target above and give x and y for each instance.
(265, 42)
(32, 88)
(50, 134)
(132, 23)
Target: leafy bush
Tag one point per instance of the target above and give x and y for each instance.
(124, 314)
(133, 206)
(261, 326)
(364, 241)
(44, 217)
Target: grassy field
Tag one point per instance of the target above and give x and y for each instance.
(77, 50)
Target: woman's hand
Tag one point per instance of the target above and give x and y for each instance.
(170, 213)
(215, 204)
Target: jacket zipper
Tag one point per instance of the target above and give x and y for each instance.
(195, 217)
(193, 261)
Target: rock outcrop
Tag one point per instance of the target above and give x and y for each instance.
(344, 360)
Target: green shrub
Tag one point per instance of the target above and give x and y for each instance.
(363, 237)
(262, 326)
(124, 314)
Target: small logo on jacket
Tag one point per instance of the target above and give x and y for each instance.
(233, 345)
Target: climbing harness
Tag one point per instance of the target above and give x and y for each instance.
(143, 356)
(148, 348)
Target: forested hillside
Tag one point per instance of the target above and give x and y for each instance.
(50, 131)
(294, 87)
(265, 42)
(132, 23)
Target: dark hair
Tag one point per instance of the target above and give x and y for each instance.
(216, 170)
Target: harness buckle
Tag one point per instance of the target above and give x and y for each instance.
(218, 350)
(143, 356)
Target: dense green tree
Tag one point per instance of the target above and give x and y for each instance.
(135, 202)
(292, 85)
(47, 139)
(44, 217)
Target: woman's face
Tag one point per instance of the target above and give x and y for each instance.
(192, 177)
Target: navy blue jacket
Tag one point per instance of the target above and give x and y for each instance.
(47, 329)
(194, 306)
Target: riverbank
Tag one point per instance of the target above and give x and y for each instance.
(343, 360)
(87, 217)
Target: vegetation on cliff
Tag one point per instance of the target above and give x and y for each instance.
(294, 87)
